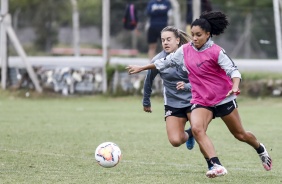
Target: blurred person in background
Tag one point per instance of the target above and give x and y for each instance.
(157, 11)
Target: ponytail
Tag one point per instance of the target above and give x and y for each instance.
(214, 22)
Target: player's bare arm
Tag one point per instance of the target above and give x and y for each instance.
(235, 88)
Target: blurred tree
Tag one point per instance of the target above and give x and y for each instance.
(48, 15)
(46, 21)
(44, 16)
(26, 10)
(90, 12)
(261, 28)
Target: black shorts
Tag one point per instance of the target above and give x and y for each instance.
(154, 34)
(220, 110)
(177, 112)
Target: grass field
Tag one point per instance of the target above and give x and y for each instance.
(53, 139)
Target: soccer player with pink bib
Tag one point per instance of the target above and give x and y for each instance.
(215, 81)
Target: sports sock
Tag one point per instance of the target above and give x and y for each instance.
(260, 149)
(209, 163)
(215, 160)
(189, 132)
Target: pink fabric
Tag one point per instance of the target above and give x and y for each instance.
(209, 82)
(132, 12)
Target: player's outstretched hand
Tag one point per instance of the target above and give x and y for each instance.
(132, 69)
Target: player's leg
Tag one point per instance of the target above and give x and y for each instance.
(175, 130)
(200, 119)
(210, 165)
(234, 124)
(190, 142)
(152, 50)
(176, 119)
(152, 39)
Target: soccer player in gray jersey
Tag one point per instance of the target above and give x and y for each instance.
(176, 101)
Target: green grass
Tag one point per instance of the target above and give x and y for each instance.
(261, 75)
(52, 140)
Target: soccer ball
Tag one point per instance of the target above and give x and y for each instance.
(108, 154)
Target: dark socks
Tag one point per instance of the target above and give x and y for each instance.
(209, 163)
(189, 132)
(260, 149)
(215, 160)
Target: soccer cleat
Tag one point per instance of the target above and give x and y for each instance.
(190, 143)
(265, 159)
(216, 170)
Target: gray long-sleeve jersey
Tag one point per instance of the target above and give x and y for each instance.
(170, 76)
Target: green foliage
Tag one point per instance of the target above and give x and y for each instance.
(90, 12)
(46, 23)
(31, 11)
(263, 84)
(47, 16)
(52, 140)
(262, 24)
(110, 70)
(261, 75)
(23, 4)
(248, 3)
(44, 16)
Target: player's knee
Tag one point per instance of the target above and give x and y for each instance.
(197, 131)
(175, 141)
(240, 136)
(175, 144)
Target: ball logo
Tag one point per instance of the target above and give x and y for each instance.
(106, 152)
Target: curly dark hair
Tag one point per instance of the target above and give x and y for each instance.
(214, 22)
